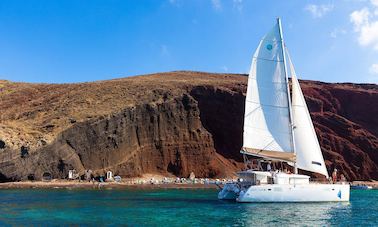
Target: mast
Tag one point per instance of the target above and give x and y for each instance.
(288, 91)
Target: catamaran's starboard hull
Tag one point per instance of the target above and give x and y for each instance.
(297, 193)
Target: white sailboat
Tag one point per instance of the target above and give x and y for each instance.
(278, 127)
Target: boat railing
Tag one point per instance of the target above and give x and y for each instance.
(319, 180)
(326, 181)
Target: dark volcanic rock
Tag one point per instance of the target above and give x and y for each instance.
(169, 123)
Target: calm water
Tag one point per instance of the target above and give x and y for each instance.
(173, 207)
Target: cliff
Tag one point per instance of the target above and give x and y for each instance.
(167, 123)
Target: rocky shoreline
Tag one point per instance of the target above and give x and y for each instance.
(129, 183)
(64, 184)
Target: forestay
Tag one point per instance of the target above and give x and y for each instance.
(267, 128)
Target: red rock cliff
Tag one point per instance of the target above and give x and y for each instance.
(168, 123)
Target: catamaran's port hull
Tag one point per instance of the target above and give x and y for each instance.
(229, 191)
(296, 193)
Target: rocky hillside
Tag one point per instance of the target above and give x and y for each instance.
(167, 123)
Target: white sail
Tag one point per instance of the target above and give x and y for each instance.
(267, 128)
(308, 152)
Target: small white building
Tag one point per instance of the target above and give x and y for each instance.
(71, 174)
(109, 175)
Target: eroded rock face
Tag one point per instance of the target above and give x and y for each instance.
(344, 119)
(161, 138)
(169, 123)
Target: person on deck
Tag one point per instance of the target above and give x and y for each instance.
(268, 167)
(342, 178)
(334, 176)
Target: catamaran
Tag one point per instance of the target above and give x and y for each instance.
(278, 128)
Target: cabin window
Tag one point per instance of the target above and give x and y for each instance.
(316, 163)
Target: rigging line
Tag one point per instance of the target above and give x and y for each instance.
(252, 111)
(284, 82)
(261, 129)
(261, 104)
(261, 150)
(271, 40)
(265, 59)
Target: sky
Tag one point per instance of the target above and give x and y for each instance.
(54, 41)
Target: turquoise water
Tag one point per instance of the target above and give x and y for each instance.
(173, 207)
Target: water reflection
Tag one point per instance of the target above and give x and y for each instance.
(303, 214)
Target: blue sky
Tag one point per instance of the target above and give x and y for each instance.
(76, 41)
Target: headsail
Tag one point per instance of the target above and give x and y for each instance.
(267, 128)
(309, 154)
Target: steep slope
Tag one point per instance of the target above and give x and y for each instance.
(167, 123)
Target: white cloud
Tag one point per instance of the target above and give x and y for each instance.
(336, 32)
(217, 5)
(374, 2)
(369, 35)
(238, 4)
(318, 11)
(366, 26)
(360, 18)
(225, 68)
(374, 69)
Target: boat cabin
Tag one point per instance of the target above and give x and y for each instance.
(284, 178)
(265, 177)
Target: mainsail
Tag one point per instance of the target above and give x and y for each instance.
(308, 152)
(267, 126)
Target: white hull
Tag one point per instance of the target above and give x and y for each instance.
(295, 193)
(262, 186)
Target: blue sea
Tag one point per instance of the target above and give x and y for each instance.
(173, 207)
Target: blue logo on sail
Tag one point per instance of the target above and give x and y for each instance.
(339, 194)
(269, 47)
